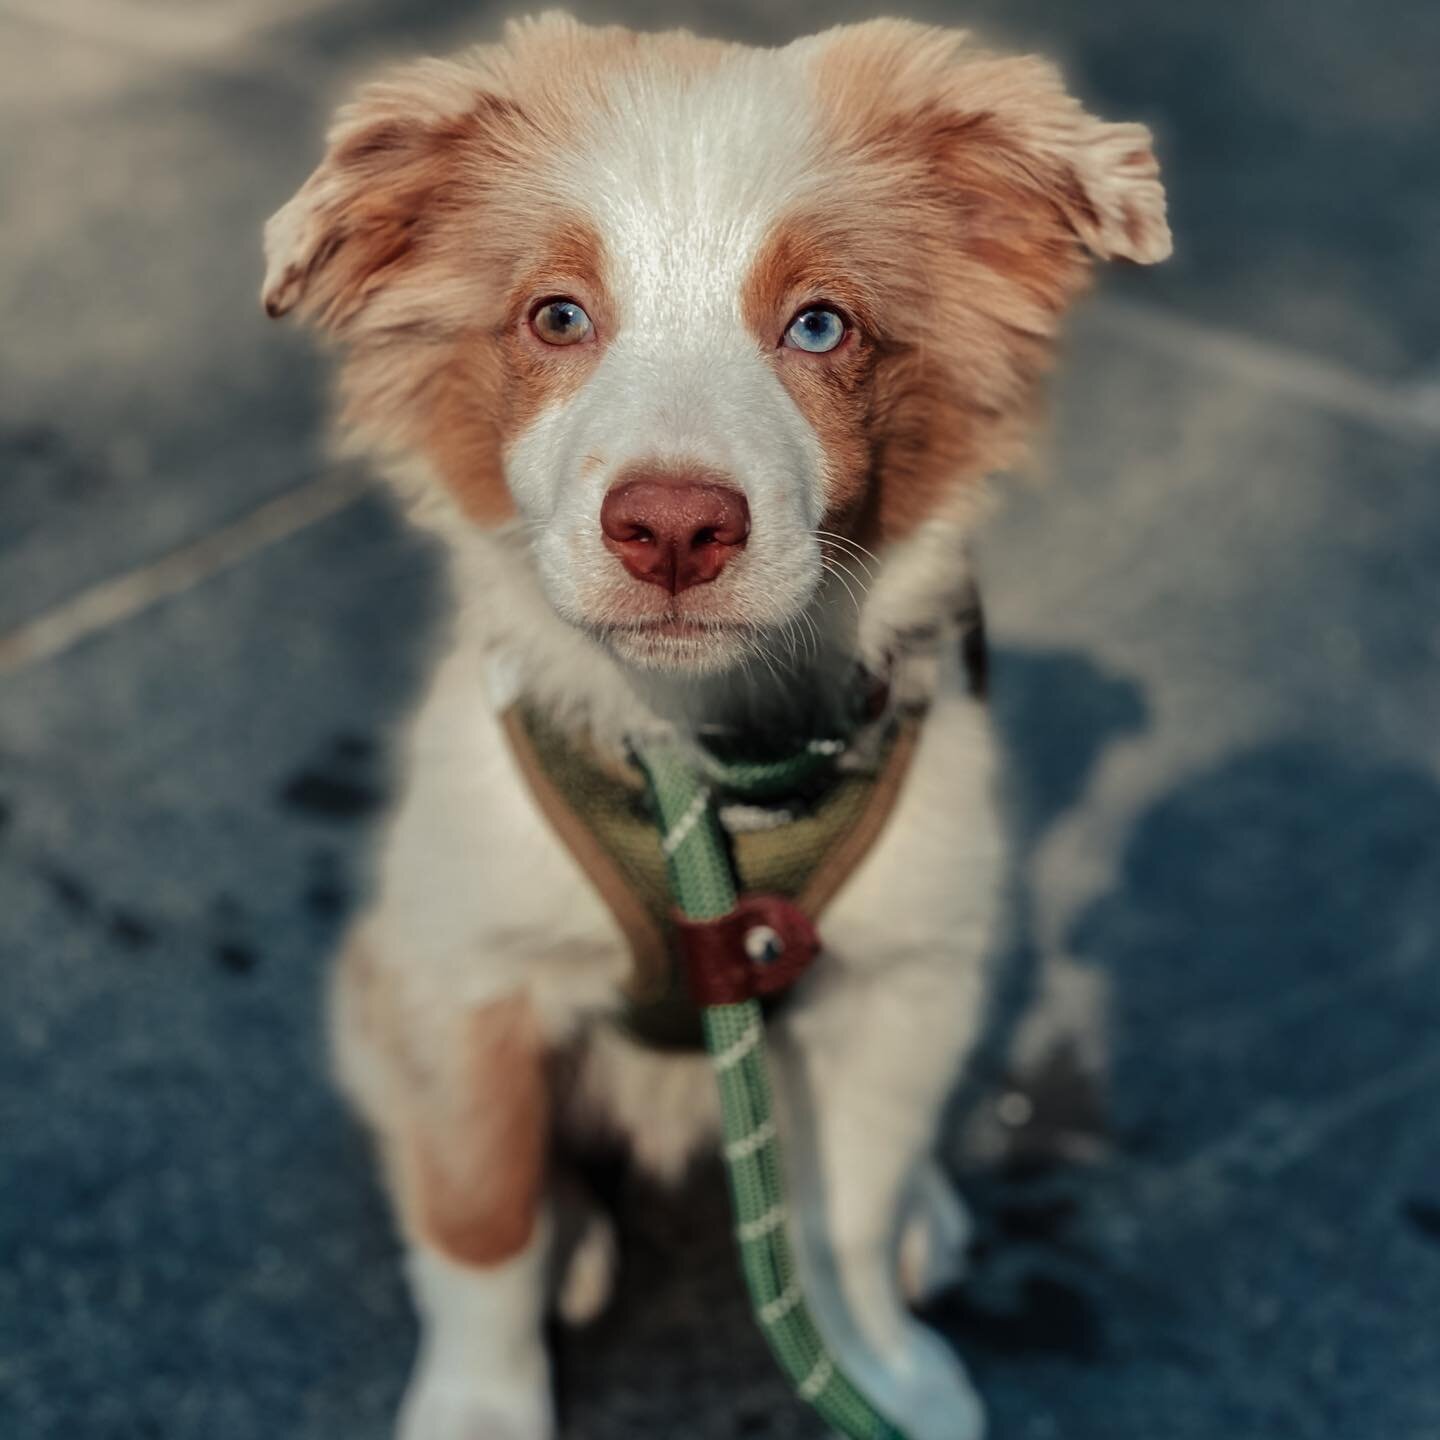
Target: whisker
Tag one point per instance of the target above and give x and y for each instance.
(762, 652)
(808, 635)
(840, 562)
(846, 555)
(833, 537)
(854, 545)
(794, 637)
(814, 632)
(858, 551)
(833, 569)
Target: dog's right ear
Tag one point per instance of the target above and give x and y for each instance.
(399, 156)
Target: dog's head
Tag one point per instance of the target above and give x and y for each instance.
(693, 314)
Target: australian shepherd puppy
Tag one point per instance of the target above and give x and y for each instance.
(698, 357)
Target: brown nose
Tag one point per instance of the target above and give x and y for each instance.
(674, 532)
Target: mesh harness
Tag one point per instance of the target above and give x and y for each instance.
(798, 837)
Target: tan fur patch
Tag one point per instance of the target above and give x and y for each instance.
(795, 268)
(461, 401)
(571, 264)
(964, 194)
(461, 1112)
(476, 1162)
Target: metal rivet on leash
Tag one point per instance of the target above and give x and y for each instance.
(763, 945)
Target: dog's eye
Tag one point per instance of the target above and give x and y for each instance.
(561, 322)
(816, 330)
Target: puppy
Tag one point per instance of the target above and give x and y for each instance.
(697, 356)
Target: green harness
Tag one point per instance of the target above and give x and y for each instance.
(805, 835)
(738, 949)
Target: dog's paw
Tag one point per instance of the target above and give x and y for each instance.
(437, 1407)
(934, 1399)
(921, 1387)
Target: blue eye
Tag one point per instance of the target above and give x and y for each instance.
(561, 322)
(815, 331)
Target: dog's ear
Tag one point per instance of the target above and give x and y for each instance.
(398, 157)
(1102, 177)
(994, 125)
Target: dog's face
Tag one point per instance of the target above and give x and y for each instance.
(692, 316)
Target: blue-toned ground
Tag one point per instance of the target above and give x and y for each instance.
(1217, 676)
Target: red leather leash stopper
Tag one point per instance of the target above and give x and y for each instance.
(761, 947)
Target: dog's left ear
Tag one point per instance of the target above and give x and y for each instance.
(397, 156)
(993, 129)
(1102, 177)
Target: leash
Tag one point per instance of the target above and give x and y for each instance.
(737, 949)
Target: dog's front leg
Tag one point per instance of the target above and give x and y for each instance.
(482, 1372)
(862, 1069)
(459, 1104)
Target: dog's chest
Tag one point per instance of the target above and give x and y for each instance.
(481, 894)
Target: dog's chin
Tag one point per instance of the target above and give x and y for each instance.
(680, 647)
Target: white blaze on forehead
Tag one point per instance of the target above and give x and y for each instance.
(684, 174)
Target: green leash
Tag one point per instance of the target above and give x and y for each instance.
(738, 947)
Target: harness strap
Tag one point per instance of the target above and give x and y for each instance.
(826, 819)
(733, 945)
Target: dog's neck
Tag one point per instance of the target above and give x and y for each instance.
(804, 682)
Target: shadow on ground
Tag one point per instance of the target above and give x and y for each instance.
(1259, 1255)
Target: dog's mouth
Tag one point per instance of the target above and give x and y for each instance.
(681, 627)
(675, 641)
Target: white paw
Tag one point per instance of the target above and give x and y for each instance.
(932, 1397)
(919, 1386)
(934, 1239)
(440, 1408)
(589, 1277)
